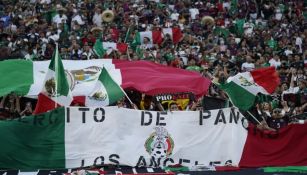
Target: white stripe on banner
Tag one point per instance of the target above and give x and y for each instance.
(28, 173)
(109, 45)
(168, 31)
(113, 135)
(147, 34)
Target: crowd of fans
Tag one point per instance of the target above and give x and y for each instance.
(241, 36)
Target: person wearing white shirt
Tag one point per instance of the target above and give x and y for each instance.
(275, 61)
(226, 5)
(54, 37)
(60, 18)
(45, 1)
(248, 65)
(299, 42)
(174, 16)
(284, 90)
(248, 28)
(300, 82)
(77, 18)
(97, 18)
(288, 52)
(278, 14)
(194, 12)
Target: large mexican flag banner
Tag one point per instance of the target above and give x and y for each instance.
(27, 77)
(79, 137)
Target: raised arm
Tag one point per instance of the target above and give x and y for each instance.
(17, 103)
(2, 101)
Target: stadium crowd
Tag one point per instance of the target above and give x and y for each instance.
(235, 36)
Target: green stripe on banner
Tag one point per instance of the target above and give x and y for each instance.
(114, 91)
(34, 142)
(19, 80)
(287, 169)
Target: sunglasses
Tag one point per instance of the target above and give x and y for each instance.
(277, 112)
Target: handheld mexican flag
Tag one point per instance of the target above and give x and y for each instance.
(105, 92)
(136, 40)
(174, 32)
(239, 27)
(156, 37)
(243, 88)
(139, 52)
(127, 35)
(98, 47)
(56, 90)
(233, 7)
(110, 46)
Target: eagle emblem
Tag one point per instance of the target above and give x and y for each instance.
(245, 82)
(100, 96)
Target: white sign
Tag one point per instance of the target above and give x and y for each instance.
(112, 135)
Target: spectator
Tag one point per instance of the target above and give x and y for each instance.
(28, 110)
(173, 106)
(61, 17)
(10, 106)
(248, 65)
(275, 61)
(278, 120)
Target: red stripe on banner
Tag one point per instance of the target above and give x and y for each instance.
(287, 147)
(227, 168)
(177, 35)
(153, 79)
(44, 104)
(157, 37)
(267, 78)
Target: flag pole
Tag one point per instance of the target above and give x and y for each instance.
(126, 37)
(128, 53)
(56, 68)
(128, 31)
(127, 97)
(253, 117)
(247, 111)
